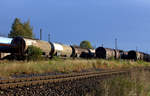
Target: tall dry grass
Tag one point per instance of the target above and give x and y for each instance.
(138, 84)
(9, 68)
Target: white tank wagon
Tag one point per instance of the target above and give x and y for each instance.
(60, 50)
(20, 45)
(5, 48)
(5, 44)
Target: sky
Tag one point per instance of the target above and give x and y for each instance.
(72, 21)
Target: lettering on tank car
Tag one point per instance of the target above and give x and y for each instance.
(58, 47)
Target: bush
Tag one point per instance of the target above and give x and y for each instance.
(34, 53)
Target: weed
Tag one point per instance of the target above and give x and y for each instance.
(9, 68)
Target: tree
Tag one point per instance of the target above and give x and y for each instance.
(21, 29)
(28, 29)
(85, 44)
(16, 29)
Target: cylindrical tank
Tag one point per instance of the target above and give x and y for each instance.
(118, 53)
(80, 52)
(105, 53)
(146, 57)
(5, 44)
(124, 55)
(60, 50)
(20, 45)
(6, 41)
(135, 55)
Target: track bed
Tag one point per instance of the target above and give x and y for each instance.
(67, 84)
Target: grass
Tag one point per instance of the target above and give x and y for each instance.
(119, 86)
(137, 85)
(9, 68)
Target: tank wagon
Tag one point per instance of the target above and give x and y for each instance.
(20, 45)
(60, 50)
(108, 53)
(135, 55)
(5, 44)
(5, 48)
(146, 57)
(105, 53)
(80, 52)
(124, 55)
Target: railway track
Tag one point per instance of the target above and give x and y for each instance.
(40, 80)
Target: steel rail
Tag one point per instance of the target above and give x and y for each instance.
(39, 80)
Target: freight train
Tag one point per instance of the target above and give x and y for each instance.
(19, 47)
(108, 53)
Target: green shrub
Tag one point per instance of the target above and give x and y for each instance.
(34, 53)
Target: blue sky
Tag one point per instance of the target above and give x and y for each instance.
(71, 21)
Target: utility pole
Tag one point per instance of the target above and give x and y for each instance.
(40, 34)
(146, 50)
(49, 37)
(102, 45)
(116, 43)
(136, 48)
